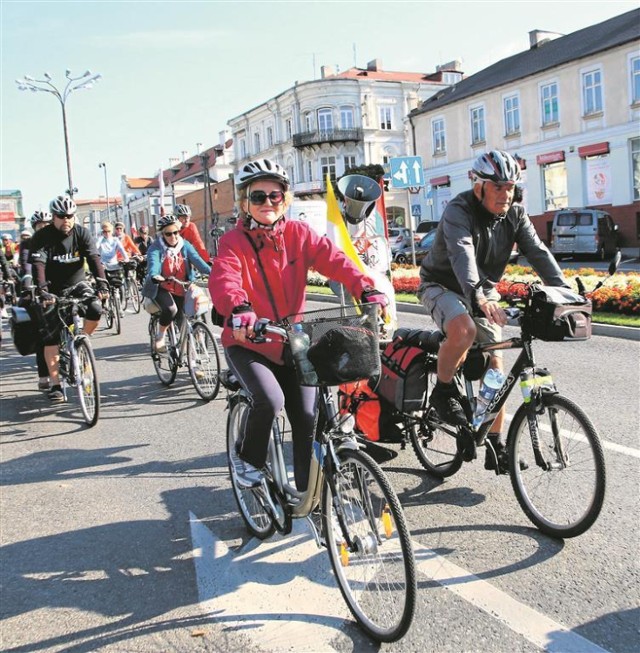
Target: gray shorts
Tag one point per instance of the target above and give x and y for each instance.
(444, 304)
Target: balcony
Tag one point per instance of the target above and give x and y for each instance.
(308, 188)
(309, 139)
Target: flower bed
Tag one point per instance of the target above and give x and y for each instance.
(621, 294)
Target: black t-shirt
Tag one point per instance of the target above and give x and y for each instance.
(58, 260)
(143, 244)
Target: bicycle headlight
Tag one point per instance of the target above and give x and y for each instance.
(347, 423)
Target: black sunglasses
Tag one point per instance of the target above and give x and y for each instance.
(170, 233)
(259, 197)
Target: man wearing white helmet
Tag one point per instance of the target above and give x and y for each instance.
(474, 239)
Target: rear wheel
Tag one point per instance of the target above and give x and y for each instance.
(250, 503)
(87, 381)
(108, 310)
(133, 294)
(370, 550)
(116, 309)
(401, 258)
(204, 361)
(164, 363)
(562, 494)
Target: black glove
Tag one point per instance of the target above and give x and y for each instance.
(157, 278)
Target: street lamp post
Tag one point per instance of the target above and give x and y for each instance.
(87, 80)
(106, 188)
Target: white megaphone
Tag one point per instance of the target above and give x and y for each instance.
(360, 195)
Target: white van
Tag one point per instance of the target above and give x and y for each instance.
(583, 232)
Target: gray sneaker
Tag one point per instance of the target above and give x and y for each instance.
(246, 475)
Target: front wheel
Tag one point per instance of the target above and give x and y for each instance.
(369, 546)
(133, 294)
(562, 492)
(87, 381)
(116, 310)
(204, 361)
(250, 502)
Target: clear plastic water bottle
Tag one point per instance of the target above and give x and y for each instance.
(299, 343)
(491, 383)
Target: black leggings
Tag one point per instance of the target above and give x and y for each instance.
(170, 305)
(272, 387)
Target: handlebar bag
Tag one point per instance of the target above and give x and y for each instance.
(403, 375)
(196, 301)
(557, 314)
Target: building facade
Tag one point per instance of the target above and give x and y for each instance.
(340, 121)
(568, 109)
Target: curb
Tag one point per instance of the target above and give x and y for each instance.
(610, 330)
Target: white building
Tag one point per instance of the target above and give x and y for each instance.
(568, 108)
(353, 118)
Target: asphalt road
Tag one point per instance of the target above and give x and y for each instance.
(125, 537)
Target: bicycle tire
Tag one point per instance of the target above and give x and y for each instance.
(117, 320)
(204, 361)
(165, 365)
(87, 381)
(377, 577)
(256, 518)
(564, 500)
(108, 311)
(134, 295)
(435, 444)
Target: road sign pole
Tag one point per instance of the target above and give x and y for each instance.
(413, 240)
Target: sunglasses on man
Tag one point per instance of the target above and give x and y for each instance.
(259, 197)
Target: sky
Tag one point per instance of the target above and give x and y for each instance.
(174, 72)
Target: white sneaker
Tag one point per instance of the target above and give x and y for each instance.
(160, 346)
(4, 313)
(246, 475)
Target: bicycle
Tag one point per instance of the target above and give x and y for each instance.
(112, 308)
(129, 291)
(192, 344)
(77, 363)
(554, 454)
(362, 523)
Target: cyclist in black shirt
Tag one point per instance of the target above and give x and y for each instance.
(58, 255)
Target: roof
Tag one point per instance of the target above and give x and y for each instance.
(191, 166)
(583, 43)
(386, 76)
(142, 182)
(100, 200)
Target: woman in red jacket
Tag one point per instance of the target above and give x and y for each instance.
(261, 271)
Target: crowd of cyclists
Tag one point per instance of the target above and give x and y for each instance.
(260, 271)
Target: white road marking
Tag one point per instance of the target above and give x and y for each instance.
(282, 591)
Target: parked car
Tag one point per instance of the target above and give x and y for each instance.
(398, 237)
(583, 232)
(425, 227)
(403, 255)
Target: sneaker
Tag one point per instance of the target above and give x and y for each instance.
(502, 456)
(448, 406)
(43, 384)
(160, 345)
(3, 313)
(55, 395)
(246, 475)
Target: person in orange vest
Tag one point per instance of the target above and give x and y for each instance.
(127, 242)
(189, 231)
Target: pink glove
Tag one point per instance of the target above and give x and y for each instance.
(242, 317)
(374, 296)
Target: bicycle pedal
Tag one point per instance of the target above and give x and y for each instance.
(466, 446)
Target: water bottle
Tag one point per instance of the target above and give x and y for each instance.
(299, 343)
(491, 383)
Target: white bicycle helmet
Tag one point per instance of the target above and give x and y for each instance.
(40, 216)
(261, 169)
(182, 210)
(496, 166)
(167, 220)
(63, 205)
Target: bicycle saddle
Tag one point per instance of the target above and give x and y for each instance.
(428, 341)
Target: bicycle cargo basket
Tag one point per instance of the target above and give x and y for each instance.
(196, 301)
(24, 331)
(557, 314)
(344, 343)
(115, 277)
(150, 305)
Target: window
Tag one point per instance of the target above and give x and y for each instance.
(349, 162)
(554, 177)
(292, 176)
(635, 80)
(328, 165)
(269, 136)
(511, 115)
(549, 102)
(451, 78)
(386, 159)
(309, 171)
(385, 117)
(346, 117)
(635, 167)
(477, 125)
(243, 148)
(439, 142)
(289, 128)
(592, 92)
(256, 143)
(308, 121)
(325, 120)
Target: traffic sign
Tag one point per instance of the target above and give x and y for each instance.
(406, 171)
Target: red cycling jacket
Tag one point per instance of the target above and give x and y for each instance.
(190, 232)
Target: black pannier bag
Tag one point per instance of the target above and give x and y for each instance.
(403, 376)
(24, 330)
(345, 353)
(115, 277)
(557, 314)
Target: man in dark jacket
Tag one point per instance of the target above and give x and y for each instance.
(458, 276)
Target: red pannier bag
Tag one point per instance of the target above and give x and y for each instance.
(374, 418)
(403, 376)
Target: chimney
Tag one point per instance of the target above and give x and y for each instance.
(375, 65)
(173, 161)
(326, 71)
(454, 66)
(538, 37)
